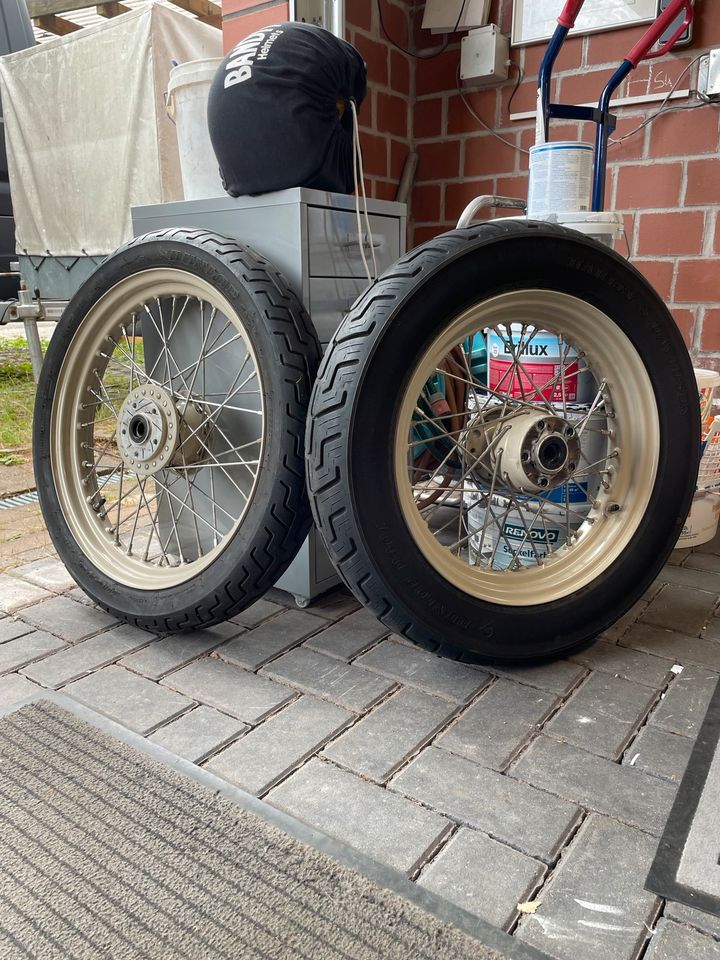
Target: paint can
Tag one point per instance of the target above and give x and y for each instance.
(560, 178)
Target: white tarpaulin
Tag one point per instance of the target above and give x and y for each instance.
(88, 136)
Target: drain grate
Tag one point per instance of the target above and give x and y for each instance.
(19, 500)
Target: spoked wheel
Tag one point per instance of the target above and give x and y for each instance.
(169, 430)
(528, 476)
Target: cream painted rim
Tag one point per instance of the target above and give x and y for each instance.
(598, 544)
(83, 355)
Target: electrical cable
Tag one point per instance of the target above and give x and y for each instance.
(359, 178)
(421, 54)
(521, 77)
(480, 120)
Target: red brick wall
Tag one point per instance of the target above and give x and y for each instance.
(386, 114)
(666, 178)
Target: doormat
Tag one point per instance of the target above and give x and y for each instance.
(686, 867)
(112, 847)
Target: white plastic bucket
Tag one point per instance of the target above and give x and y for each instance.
(702, 521)
(187, 98)
(707, 380)
(560, 178)
(606, 227)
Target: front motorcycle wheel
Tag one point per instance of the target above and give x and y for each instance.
(504, 442)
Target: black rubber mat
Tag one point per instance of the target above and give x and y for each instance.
(110, 848)
(686, 867)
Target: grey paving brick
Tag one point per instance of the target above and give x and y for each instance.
(659, 753)
(68, 619)
(334, 605)
(712, 629)
(602, 715)
(596, 783)
(493, 729)
(671, 941)
(344, 684)
(197, 734)
(171, 653)
(375, 821)
(410, 665)
(81, 658)
(617, 629)
(558, 677)
(133, 701)
(683, 708)
(46, 572)
(267, 641)
(627, 663)
(484, 877)
(666, 643)
(10, 629)
(694, 579)
(693, 918)
(595, 906)
(380, 742)
(16, 594)
(680, 608)
(80, 596)
(349, 637)
(229, 688)
(712, 546)
(257, 612)
(507, 809)
(273, 749)
(707, 562)
(14, 688)
(31, 646)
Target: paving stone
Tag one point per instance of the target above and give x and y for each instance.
(595, 906)
(617, 629)
(694, 579)
(507, 809)
(375, 821)
(602, 715)
(410, 665)
(14, 688)
(680, 608)
(88, 655)
(671, 941)
(683, 708)
(67, 619)
(197, 734)
(381, 741)
(349, 637)
(334, 605)
(133, 701)
(81, 597)
(344, 684)
(31, 646)
(712, 629)
(171, 653)
(257, 612)
(47, 572)
(712, 546)
(659, 753)
(625, 662)
(707, 562)
(498, 724)
(273, 749)
(15, 594)
(558, 677)
(597, 784)
(676, 646)
(229, 688)
(679, 557)
(10, 629)
(482, 876)
(693, 917)
(267, 641)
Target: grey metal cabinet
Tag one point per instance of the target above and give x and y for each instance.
(313, 238)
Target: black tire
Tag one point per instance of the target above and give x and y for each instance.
(278, 518)
(353, 414)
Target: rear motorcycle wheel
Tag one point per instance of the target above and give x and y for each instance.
(494, 506)
(169, 430)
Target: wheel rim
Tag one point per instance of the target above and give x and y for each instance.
(473, 499)
(158, 415)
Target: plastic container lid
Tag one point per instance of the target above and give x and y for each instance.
(706, 379)
(193, 71)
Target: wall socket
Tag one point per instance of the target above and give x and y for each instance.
(709, 75)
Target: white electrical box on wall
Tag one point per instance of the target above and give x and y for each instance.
(484, 57)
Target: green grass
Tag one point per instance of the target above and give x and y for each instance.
(17, 401)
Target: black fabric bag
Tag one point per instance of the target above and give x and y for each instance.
(278, 111)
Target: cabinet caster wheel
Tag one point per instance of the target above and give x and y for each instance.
(302, 602)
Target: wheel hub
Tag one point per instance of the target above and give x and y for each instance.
(148, 429)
